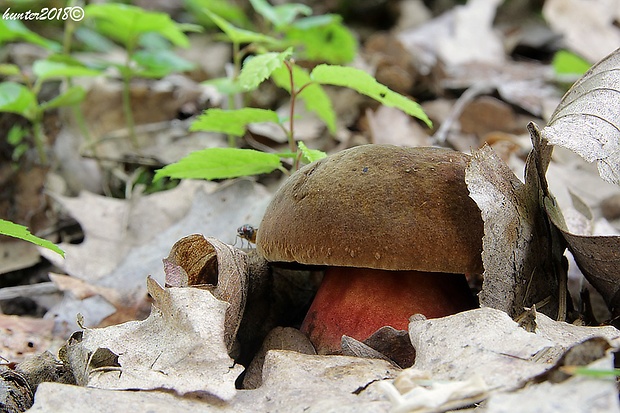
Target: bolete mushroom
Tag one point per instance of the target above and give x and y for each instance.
(395, 228)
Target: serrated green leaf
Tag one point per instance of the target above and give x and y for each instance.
(47, 69)
(313, 95)
(16, 98)
(11, 30)
(19, 231)
(258, 68)
(220, 163)
(365, 84)
(159, 63)
(331, 42)
(310, 155)
(567, 63)
(71, 96)
(232, 122)
(125, 23)
(281, 15)
(237, 35)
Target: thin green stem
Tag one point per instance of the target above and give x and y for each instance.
(291, 132)
(127, 97)
(232, 140)
(39, 140)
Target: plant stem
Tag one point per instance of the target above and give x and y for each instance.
(127, 96)
(291, 132)
(39, 140)
(232, 140)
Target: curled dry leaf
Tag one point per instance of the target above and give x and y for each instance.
(179, 347)
(586, 121)
(598, 258)
(518, 262)
(196, 261)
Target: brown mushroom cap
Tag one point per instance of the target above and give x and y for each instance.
(377, 206)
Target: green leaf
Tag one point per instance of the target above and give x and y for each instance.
(125, 23)
(221, 163)
(19, 231)
(237, 35)
(313, 95)
(567, 63)
(48, 69)
(281, 15)
(258, 68)
(16, 98)
(365, 84)
(11, 30)
(232, 122)
(310, 155)
(225, 85)
(331, 42)
(7, 69)
(223, 8)
(159, 63)
(72, 96)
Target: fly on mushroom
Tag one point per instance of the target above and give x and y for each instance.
(247, 232)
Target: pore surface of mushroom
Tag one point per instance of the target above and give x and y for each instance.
(395, 228)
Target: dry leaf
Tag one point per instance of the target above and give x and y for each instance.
(518, 265)
(180, 347)
(586, 120)
(280, 338)
(487, 342)
(21, 336)
(199, 261)
(588, 27)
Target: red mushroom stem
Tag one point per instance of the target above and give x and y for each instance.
(358, 301)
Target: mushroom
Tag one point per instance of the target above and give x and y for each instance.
(395, 228)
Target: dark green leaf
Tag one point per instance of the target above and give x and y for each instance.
(221, 163)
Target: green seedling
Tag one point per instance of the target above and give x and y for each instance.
(140, 32)
(21, 97)
(207, 164)
(19, 231)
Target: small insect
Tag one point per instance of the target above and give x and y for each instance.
(247, 232)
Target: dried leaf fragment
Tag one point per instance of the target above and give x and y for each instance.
(515, 252)
(179, 347)
(196, 261)
(586, 121)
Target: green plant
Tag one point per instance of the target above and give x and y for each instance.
(568, 63)
(219, 163)
(145, 36)
(21, 97)
(19, 231)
